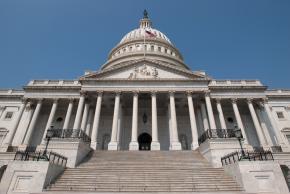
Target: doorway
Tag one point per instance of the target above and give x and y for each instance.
(144, 141)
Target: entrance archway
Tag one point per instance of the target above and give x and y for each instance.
(144, 141)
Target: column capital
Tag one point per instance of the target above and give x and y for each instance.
(71, 100)
(249, 100)
(189, 92)
(118, 92)
(234, 100)
(135, 92)
(24, 100)
(83, 93)
(265, 100)
(100, 92)
(218, 100)
(55, 100)
(207, 93)
(39, 100)
(171, 92)
(153, 92)
(29, 106)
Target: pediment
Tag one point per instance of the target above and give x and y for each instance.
(145, 69)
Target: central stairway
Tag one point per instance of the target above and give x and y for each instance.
(145, 171)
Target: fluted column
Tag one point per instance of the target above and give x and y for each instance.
(194, 133)
(155, 145)
(204, 116)
(239, 120)
(90, 121)
(273, 123)
(94, 141)
(79, 112)
(113, 145)
(209, 111)
(85, 116)
(2, 108)
(50, 119)
(134, 144)
(12, 132)
(174, 142)
(68, 114)
(221, 114)
(33, 122)
(256, 122)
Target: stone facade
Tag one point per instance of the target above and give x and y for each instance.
(146, 88)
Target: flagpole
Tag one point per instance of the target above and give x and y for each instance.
(144, 42)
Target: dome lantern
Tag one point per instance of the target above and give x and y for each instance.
(145, 21)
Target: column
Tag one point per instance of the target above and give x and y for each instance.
(134, 144)
(12, 132)
(50, 119)
(90, 121)
(94, 143)
(68, 114)
(79, 112)
(85, 116)
(193, 126)
(272, 122)
(204, 116)
(221, 114)
(155, 145)
(33, 122)
(113, 145)
(264, 127)
(256, 123)
(209, 111)
(239, 120)
(174, 142)
(2, 108)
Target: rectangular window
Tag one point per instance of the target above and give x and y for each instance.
(8, 115)
(152, 48)
(280, 115)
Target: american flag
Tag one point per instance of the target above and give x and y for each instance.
(150, 33)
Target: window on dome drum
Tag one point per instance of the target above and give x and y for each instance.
(145, 46)
(130, 48)
(8, 115)
(165, 50)
(159, 49)
(280, 115)
(152, 48)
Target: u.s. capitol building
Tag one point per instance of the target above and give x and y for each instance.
(144, 122)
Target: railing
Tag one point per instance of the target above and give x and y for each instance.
(247, 155)
(216, 133)
(70, 133)
(52, 157)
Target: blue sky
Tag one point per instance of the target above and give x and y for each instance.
(229, 39)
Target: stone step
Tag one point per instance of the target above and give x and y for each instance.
(160, 171)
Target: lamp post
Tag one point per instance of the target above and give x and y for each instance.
(239, 136)
(48, 136)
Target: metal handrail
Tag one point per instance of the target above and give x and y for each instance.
(70, 133)
(51, 157)
(216, 133)
(237, 156)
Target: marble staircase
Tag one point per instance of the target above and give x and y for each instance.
(144, 171)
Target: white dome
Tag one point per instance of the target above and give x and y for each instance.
(139, 33)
